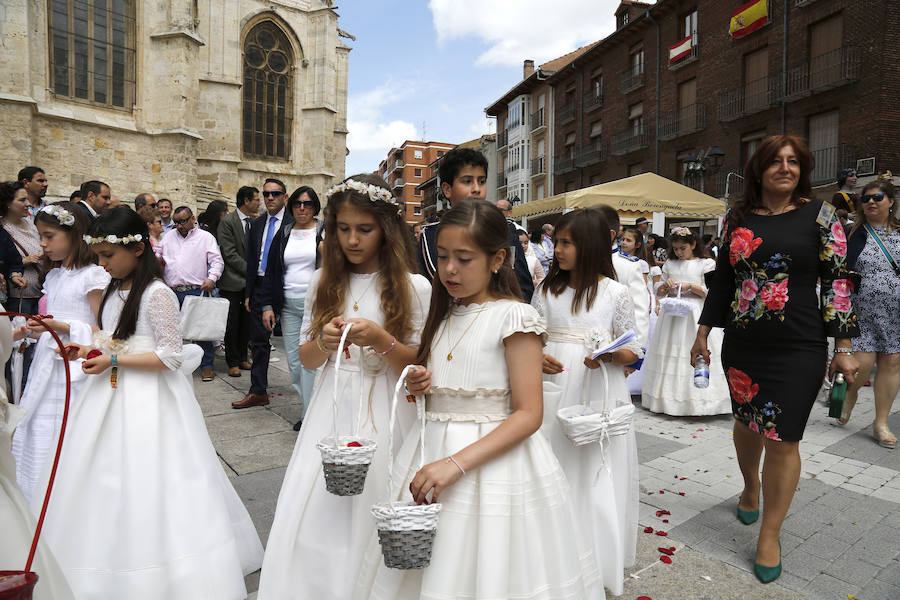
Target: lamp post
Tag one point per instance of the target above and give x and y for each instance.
(707, 162)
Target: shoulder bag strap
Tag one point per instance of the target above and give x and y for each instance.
(884, 250)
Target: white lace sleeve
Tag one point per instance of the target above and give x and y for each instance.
(165, 322)
(623, 320)
(421, 301)
(537, 300)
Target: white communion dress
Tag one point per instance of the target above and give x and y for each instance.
(603, 477)
(141, 507)
(507, 529)
(318, 540)
(45, 391)
(668, 375)
(16, 522)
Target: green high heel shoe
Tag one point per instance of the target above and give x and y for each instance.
(747, 517)
(768, 574)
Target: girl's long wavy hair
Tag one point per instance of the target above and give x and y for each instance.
(489, 232)
(588, 229)
(757, 164)
(121, 221)
(395, 262)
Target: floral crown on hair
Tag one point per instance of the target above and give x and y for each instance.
(374, 192)
(112, 239)
(681, 232)
(60, 214)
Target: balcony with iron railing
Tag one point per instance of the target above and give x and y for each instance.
(591, 154)
(537, 119)
(592, 100)
(633, 78)
(502, 180)
(627, 141)
(537, 166)
(683, 121)
(752, 97)
(563, 164)
(566, 113)
(502, 139)
(828, 161)
(398, 183)
(829, 70)
(399, 164)
(729, 183)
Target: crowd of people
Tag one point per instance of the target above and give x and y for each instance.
(501, 335)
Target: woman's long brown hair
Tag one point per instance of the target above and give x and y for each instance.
(757, 164)
(488, 230)
(395, 262)
(890, 193)
(589, 231)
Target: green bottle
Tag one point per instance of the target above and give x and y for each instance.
(838, 393)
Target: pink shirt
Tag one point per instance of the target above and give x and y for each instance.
(190, 260)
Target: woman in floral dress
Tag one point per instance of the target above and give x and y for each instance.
(778, 244)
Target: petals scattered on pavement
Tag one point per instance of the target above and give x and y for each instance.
(666, 559)
(662, 533)
(648, 530)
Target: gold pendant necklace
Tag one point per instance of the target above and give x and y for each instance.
(465, 331)
(356, 300)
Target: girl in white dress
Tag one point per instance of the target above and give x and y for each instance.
(633, 244)
(16, 521)
(668, 375)
(585, 306)
(73, 287)
(142, 508)
(507, 528)
(318, 540)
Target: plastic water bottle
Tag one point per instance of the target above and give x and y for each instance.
(701, 373)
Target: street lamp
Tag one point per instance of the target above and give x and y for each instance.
(707, 162)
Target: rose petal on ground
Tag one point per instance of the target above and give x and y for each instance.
(668, 551)
(665, 520)
(662, 533)
(648, 530)
(662, 512)
(681, 493)
(682, 478)
(644, 598)
(662, 491)
(666, 559)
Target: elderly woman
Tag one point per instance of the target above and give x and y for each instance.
(877, 302)
(778, 244)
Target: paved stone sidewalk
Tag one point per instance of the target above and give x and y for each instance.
(842, 535)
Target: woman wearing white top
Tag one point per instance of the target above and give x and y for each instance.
(296, 247)
(534, 264)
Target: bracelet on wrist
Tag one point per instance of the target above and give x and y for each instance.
(458, 466)
(114, 375)
(843, 350)
(321, 346)
(391, 347)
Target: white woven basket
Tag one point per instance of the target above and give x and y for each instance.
(677, 307)
(345, 467)
(405, 530)
(582, 425)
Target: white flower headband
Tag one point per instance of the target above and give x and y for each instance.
(112, 239)
(681, 231)
(374, 192)
(60, 214)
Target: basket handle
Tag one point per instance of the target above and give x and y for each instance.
(334, 392)
(420, 414)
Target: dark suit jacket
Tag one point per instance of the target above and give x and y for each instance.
(427, 256)
(254, 246)
(233, 245)
(87, 211)
(272, 296)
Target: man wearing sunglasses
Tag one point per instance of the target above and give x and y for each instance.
(259, 241)
(192, 265)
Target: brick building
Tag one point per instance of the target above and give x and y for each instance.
(406, 167)
(671, 82)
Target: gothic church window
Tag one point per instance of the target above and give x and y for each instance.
(92, 51)
(268, 92)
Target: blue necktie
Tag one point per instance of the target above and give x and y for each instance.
(269, 232)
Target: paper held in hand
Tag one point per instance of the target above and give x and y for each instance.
(626, 338)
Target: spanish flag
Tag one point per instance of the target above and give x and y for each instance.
(749, 18)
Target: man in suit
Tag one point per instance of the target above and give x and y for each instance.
(463, 175)
(232, 236)
(95, 198)
(628, 273)
(259, 241)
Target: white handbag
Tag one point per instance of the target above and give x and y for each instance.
(203, 318)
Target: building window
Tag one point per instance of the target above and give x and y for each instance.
(635, 169)
(637, 61)
(417, 211)
(417, 172)
(92, 51)
(440, 153)
(689, 25)
(636, 119)
(597, 85)
(823, 143)
(418, 193)
(417, 153)
(596, 130)
(826, 63)
(268, 92)
(749, 143)
(756, 79)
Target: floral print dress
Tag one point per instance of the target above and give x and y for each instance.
(764, 293)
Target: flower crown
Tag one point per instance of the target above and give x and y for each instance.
(112, 239)
(682, 232)
(60, 214)
(374, 192)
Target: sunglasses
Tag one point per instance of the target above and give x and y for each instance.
(181, 221)
(876, 197)
(271, 194)
(304, 204)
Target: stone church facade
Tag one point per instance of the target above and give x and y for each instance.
(186, 99)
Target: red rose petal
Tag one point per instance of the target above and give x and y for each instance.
(665, 520)
(662, 491)
(662, 512)
(662, 533)
(681, 479)
(681, 493)
(281, 394)
(666, 559)
(354, 445)
(676, 477)
(648, 530)
(644, 598)
(668, 551)
(93, 353)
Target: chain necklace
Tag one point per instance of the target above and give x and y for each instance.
(465, 331)
(366, 291)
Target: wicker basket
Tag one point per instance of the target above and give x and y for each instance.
(405, 531)
(17, 585)
(677, 306)
(582, 425)
(345, 467)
